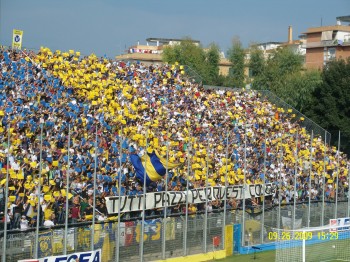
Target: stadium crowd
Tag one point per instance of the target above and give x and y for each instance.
(74, 98)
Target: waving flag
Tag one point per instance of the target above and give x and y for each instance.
(153, 164)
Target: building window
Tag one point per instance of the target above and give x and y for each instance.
(230, 71)
(250, 72)
(328, 54)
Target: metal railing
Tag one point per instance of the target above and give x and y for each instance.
(21, 243)
(307, 123)
(328, 43)
(193, 75)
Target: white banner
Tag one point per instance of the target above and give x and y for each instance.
(195, 196)
(92, 256)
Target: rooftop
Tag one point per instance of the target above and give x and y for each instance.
(168, 40)
(311, 30)
(345, 18)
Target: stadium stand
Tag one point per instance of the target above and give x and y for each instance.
(128, 102)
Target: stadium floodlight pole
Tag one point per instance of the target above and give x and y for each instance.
(166, 196)
(143, 203)
(6, 196)
(295, 180)
(310, 177)
(324, 178)
(92, 244)
(263, 193)
(225, 188)
(206, 200)
(337, 178)
(244, 182)
(38, 213)
(67, 198)
(117, 257)
(187, 191)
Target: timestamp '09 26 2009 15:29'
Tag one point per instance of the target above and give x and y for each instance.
(302, 235)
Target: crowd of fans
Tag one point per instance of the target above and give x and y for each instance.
(49, 98)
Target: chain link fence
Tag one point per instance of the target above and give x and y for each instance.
(200, 234)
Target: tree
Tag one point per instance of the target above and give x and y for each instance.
(205, 63)
(212, 65)
(298, 88)
(330, 102)
(236, 55)
(283, 74)
(256, 61)
(256, 66)
(172, 54)
(280, 63)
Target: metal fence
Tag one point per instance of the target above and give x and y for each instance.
(21, 244)
(257, 228)
(307, 122)
(169, 237)
(193, 75)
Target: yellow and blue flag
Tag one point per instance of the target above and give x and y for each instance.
(151, 166)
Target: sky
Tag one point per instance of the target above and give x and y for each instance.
(108, 27)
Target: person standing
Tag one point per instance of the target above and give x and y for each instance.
(75, 213)
(24, 223)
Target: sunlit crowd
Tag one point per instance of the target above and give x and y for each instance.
(63, 114)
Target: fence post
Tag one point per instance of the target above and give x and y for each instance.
(324, 179)
(6, 197)
(117, 257)
(263, 193)
(337, 179)
(244, 182)
(295, 180)
(67, 199)
(38, 213)
(309, 184)
(187, 185)
(92, 244)
(205, 229)
(348, 213)
(143, 206)
(280, 186)
(225, 188)
(166, 198)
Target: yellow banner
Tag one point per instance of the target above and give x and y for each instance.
(17, 39)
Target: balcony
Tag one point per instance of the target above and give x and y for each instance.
(327, 43)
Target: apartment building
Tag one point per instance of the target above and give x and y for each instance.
(327, 42)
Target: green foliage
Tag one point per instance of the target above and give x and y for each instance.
(281, 63)
(205, 63)
(298, 87)
(283, 74)
(256, 61)
(212, 65)
(236, 55)
(330, 102)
